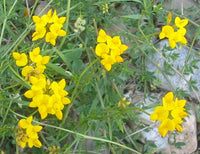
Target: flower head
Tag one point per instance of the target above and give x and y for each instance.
(109, 49)
(48, 97)
(176, 33)
(180, 23)
(27, 133)
(35, 66)
(48, 26)
(21, 59)
(170, 114)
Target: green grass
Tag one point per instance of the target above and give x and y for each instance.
(93, 91)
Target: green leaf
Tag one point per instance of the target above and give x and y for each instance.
(110, 1)
(77, 65)
(138, 1)
(179, 145)
(119, 124)
(71, 55)
(133, 16)
(59, 70)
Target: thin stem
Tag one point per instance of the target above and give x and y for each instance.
(81, 135)
(10, 10)
(22, 79)
(5, 116)
(188, 55)
(100, 96)
(17, 42)
(117, 90)
(140, 38)
(74, 93)
(67, 23)
(3, 29)
(4, 6)
(5, 19)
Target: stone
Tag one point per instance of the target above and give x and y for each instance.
(188, 136)
(180, 5)
(176, 80)
(39, 11)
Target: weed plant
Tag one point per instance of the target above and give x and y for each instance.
(63, 75)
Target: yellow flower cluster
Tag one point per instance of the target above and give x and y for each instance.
(48, 97)
(48, 26)
(123, 103)
(170, 114)
(110, 49)
(34, 65)
(175, 33)
(27, 133)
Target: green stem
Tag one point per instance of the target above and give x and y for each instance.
(188, 55)
(17, 42)
(4, 6)
(117, 90)
(67, 23)
(140, 38)
(74, 93)
(22, 79)
(121, 112)
(5, 19)
(17, 149)
(81, 135)
(156, 51)
(12, 86)
(11, 101)
(43, 138)
(100, 96)
(5, 116)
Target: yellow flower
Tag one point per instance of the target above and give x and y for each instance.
(25, 123)
(160, 114)
(35, 55)
(48, 26)
(21, 59)
(49, 98)
(101, 49)
(32, 131)
(38, 87)
(165, 126)
(41, 21)
(27, 133)
(56, 29)
(56, 19)
(168, 101)
(176, 33)
(36, 65)
(180, 23)
(108, 61)
(110, 49)
(51, 38)
(167, 31)
(43, 103)
(39, 33)
(102, 37)
(37, 58)
(34, 142)
(170, 114)
(114, 43)
(123, 48)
